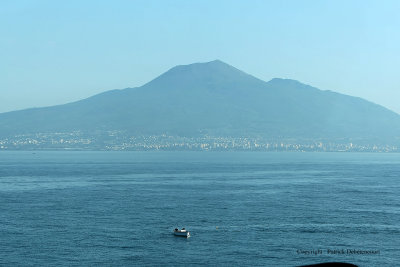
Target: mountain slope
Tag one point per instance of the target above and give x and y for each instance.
(217, 99)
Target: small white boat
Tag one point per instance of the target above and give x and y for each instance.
(183, 232)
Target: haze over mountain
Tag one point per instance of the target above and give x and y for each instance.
(216, 99)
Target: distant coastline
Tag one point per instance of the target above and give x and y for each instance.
(120, 141)
(207, 106)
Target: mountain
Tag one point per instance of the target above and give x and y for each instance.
(214, 99)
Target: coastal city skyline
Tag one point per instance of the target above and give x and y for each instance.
(210, 133)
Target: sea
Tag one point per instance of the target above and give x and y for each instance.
(74, 208)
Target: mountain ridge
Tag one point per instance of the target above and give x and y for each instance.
(217, 99)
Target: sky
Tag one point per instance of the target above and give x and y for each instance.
(55, 52)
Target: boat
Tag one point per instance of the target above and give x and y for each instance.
(183, 232)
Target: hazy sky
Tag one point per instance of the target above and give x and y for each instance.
(54, 52)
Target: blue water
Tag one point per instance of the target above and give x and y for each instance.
(242, 208)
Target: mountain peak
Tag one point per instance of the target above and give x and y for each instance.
(215, 61)
(216, 99)
(198, 74)
(214, 64)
